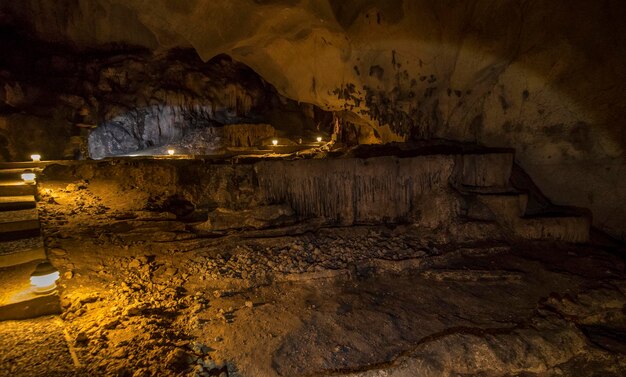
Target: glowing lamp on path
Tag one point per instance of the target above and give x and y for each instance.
(35, 157)
(171, 152)
(274, 142)
(29, 178)
(319, 139)
(45, 277)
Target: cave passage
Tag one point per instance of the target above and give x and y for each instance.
(155, 131)
(197, 108)
(278, 188)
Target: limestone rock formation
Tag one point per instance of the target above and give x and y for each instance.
(67, 103)
(131, 137)
(544, 77)
(255, 218)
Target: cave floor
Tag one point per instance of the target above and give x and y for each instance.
(358, 301)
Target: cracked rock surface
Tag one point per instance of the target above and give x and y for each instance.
(544, 77)
(151, 297)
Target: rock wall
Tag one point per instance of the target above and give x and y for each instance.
(546, 78)
(246, 135)
(159, 185)
(342, 191)
(134, 137)
(466, 194)
(352, 191)
(130, 100)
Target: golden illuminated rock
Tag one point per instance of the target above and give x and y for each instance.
(543, 77)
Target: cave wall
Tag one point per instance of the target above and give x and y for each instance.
(546, 78)
(64, 102)
(357, 191)
(345, 191)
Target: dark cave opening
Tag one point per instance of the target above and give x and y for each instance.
(197, 108)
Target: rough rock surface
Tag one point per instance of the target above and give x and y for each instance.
(119, 138)
(253, 218)
(350, 191)
(105, 102)
(545, 78)
(437, 187)
(145, 295)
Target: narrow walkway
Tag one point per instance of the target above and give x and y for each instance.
(21, 245)
(31, 339)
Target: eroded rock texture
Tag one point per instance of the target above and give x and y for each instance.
(62, 102)
(345, 301)
(545, 78)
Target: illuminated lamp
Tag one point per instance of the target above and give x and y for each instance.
(29, 178)
(171, 152)
(274, 142)
(44, 278)
(319, 139)
(35, 157)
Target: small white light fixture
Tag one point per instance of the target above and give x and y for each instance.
(44, 278)
(274, 142)
(171, 152)
(319, 139)
(29, 178)
(35, 157)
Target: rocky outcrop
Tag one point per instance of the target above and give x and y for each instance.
(144, 294)
(349, 191)
(123, 137)
(223, 219)
(545, 78)
(64, 103)
(247, 135)
(457, 192)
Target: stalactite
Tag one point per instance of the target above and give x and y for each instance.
(348, 191)
(247, 135)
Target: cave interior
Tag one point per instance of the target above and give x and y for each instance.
(312, 187)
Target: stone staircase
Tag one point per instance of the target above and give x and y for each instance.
(21, 246)
(485, 181)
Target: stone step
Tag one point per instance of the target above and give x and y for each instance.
(18, 300)
(19, 202)
(560, 228)
(24, 256)
(25, 165)
(18, 171)
(18, 225)
(19, 251)
(484, 169)
(509, 209)
(15, 188)
(19, 215)
(15, 174)
(494, 190)
(32, 307)
(19, 229)
(504, 207)
(15, 282)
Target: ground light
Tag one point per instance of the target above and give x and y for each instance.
(35, 157)
(274, 142)
(44, 278)
(29, 178)
(319, 139)
(171, 152)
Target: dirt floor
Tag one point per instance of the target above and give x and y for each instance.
(144, 295)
